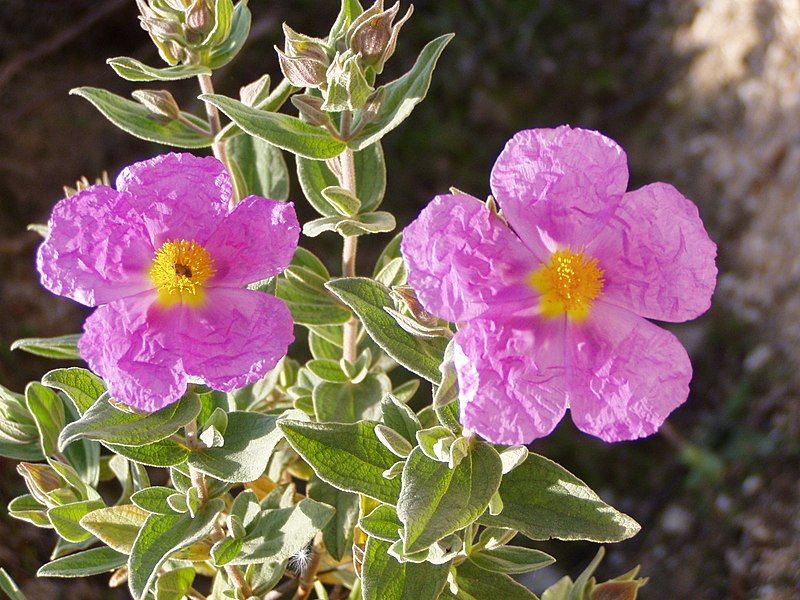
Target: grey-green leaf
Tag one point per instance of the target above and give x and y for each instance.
(84, 564)
(248, 443)
(384, 578)
(436, 501)
(259, 168)
(283, 131)
(347, 456)
(135, 119)
(338, 533)
(82, 387)
(161, 536)
(47, 410)
(134, 70)
(368, 299)
(543, 500)
(350, 402)
(475, 583)
(402, 95)
(66, 519)
(105, 423)
(382, 523)
(8, 586)
(511, 560)
(63, 347)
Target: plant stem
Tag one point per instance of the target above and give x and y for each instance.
(309, 575)
(348, 181)
(237, 577)
(198, 479)
(213, 118)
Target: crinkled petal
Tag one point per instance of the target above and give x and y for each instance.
(125, 345)
(657, 257)
(181, 196)
(234, 339)
(511, 378)
(462, 259)
(257, 240)
(626, 374)
(558, 187)
(97, 248)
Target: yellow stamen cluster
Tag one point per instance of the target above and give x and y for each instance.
(568, 284)
(179, 272)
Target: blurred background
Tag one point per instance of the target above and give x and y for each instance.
(704, 94)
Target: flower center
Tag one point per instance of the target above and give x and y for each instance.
(568, 284)
(179, 271)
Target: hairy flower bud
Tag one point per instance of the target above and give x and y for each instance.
(390, 47)
(304, 59)
(370, 37)
(40, 480)
(199, 18)
(348, 88)
(159, 102)
(256, 92)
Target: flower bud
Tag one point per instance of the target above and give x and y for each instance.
(310, 108)
(159, 102)
(390, 47)
(370, 37)
(199, 18)
(255, 93)
(302, 71)
(305, 46)
(348, 88)
(41, 480)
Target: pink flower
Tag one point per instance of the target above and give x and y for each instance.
(166, 263)
(552, 307)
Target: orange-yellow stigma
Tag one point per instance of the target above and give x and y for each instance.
(568, 284)
(179, 272)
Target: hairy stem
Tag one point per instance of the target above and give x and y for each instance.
(214, 124)
(237, 578)
(309, 575)
(198, 479)
(347, 180)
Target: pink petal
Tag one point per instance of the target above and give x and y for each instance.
(123, 345)
(559, 186)
(657, 256)
(97, 249)
(181, 196)
(234, 339)
(255, 241)
(462, 259)
(511, 378)
(626, 374)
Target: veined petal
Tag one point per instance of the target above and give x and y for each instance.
(233, 339)
(97, 248)
(462, 259)
(657, 257)
(125, 345)
(255, 241)
(558, 187)
(511, 378)
(625, 374)
(180, 196)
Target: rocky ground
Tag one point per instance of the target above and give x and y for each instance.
(702, 93)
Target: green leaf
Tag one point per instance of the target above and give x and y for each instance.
(8, 586)
(66, 519)
(384, 578)
(135, 119)
(543, 500)
(27, 508)
(84, 564)
(475, 583)
(258, 167)
(511, 560)
(48, 413)
(347, 456)
(350, 402)
(315, 176)
(341, 200)
(248, 444)
(302, 287)
(82, 387)
(327, 369)
(382, 523)
(26, 452)
(281, 533)
(106, 423)
(116, 526)
(161, 536)
(401, 96)
(436, 501)
(63, 347)
(153, 499)
(338, 533)
(174, 584)
(164, 453)
(134, 70)
(400, 418)
(237, 36)
(283, 131)
(368, 299)
(578, 591)
(363, 224)
(348, 13)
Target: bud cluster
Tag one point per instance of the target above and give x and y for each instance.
(343, 69)
(186, 30)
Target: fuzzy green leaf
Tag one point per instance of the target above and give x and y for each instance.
(338, 533)
(47, 410)
(543, 500)
(475, 583)
(64, 347)
(116, 526)
(84, 564)
(66, 519)
(350, 402)
(134, 70)
(384, 578)
(258, 167)
(511, 560)
(82, 387)
(382, 523)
